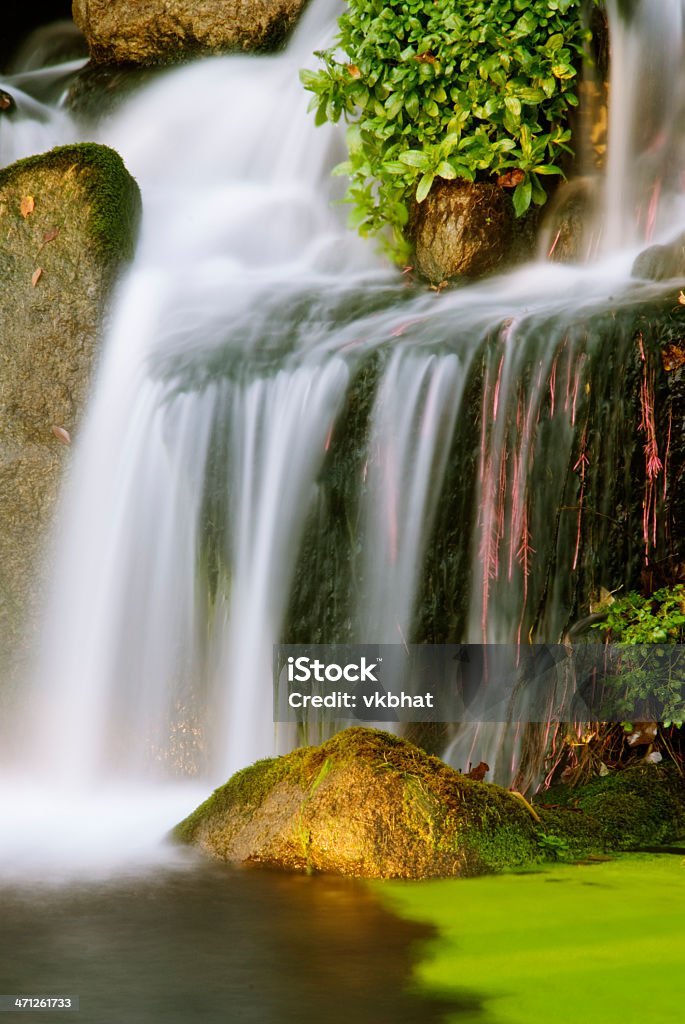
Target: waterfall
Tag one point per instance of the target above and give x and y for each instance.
(216, 485)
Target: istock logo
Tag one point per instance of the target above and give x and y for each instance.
(303, 670)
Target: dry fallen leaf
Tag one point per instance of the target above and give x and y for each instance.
(672, 357)
(61, 434)
(36, 276)
(510, 179)
(27, 206)
(49, 236)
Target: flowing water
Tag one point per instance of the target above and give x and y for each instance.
(287, 441)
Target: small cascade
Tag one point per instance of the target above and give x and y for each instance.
(646, 159)
(412, 426)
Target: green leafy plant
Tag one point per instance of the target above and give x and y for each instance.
(653, 676)
(552, 846)
(433, 89)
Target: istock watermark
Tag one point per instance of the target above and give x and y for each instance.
(478, 683)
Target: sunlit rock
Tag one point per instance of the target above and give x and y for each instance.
(367, 804)
(163, 31)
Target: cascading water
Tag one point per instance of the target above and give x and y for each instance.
(215, 482)
(646, 159)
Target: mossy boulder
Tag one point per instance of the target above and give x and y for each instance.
(166, 31)
(640, 806)
(68, 220)
(367, 804)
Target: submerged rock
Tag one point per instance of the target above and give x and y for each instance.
(68, 219)
(462, 229)
(163, 31)
(367, 804)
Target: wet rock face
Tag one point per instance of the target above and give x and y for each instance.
(164, 31)
(462, 229)
(365, 804)
(568, 230)
(67, 221)
(661, 262)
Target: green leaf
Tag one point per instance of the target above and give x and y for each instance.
(445, 170)
(548, 169)
(393, 104)
(523, 194)
(394, 167)
(424, 188)
(415, 158)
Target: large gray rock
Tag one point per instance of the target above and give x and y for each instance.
(163, 31)
(67, 221)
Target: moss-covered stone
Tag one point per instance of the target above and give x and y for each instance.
(641, 806)
(364, 803)
(68, 219)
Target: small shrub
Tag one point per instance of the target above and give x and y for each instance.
(434, 89)
(653, 678)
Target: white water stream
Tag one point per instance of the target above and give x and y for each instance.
(230, 351)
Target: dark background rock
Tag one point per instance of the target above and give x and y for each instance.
(18, 24)
(164, 31)
(67, 221)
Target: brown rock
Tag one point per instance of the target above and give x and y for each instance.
(462, 229)
(164, 31)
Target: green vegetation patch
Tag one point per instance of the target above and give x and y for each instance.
(652, 676)
(640, 806)
(433, 89)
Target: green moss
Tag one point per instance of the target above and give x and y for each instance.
(640, 806)
(112, 194)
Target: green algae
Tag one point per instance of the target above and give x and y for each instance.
(602, 942)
